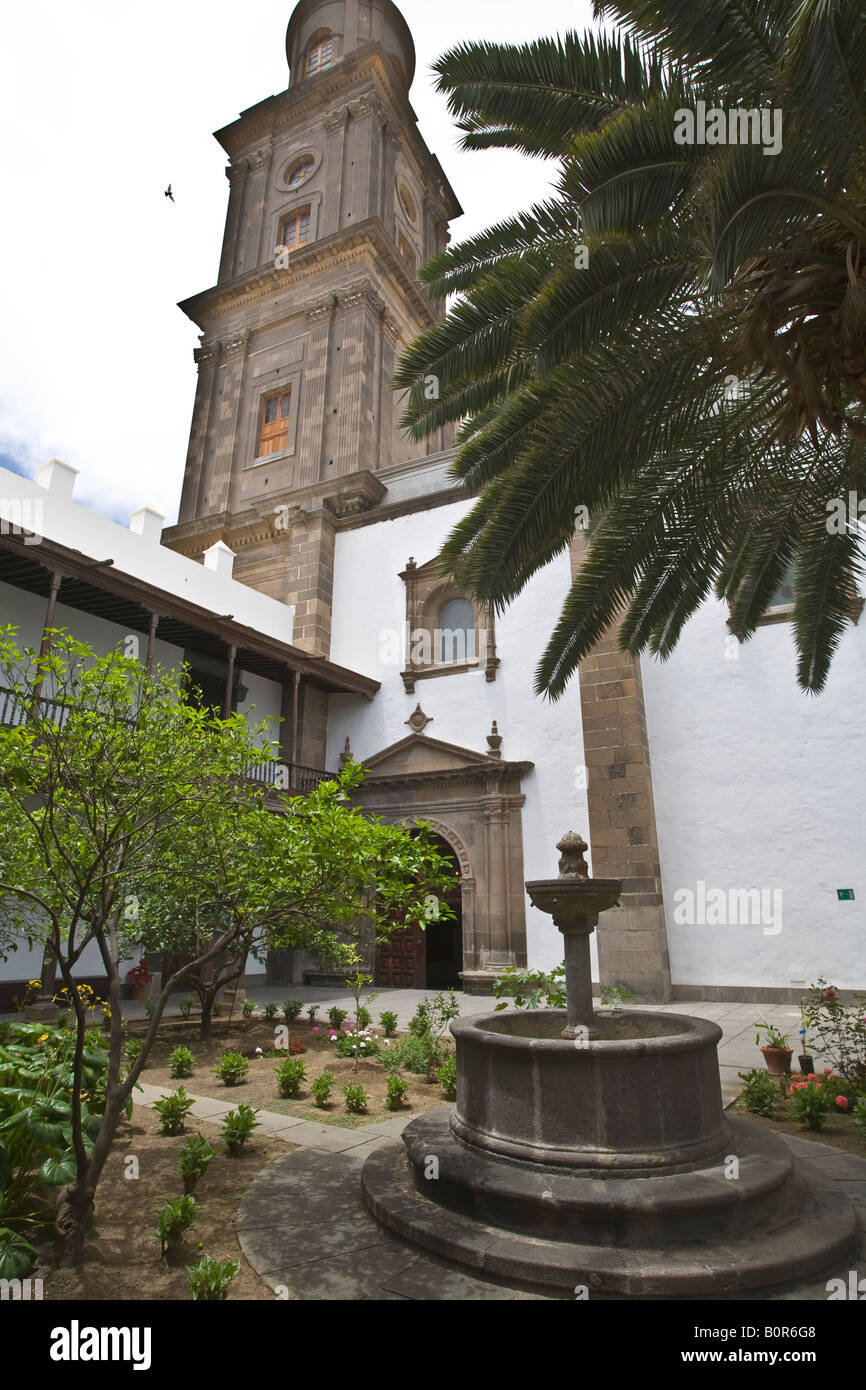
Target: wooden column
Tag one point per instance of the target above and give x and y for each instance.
(230, 680)
(151, 639)
(56, 579)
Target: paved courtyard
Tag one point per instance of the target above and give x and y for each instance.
(304, 1229)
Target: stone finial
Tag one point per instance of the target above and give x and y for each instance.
(347, 755)
(494, 742)
(572, 864)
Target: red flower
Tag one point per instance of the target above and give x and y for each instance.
(842, 1102)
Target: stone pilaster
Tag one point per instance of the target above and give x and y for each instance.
(320, 320)
(632, 942)
(310, 580)
(256, 251)
(234, 352)
(335, 127)
(195, 481)
(360, 309)
(237, 177)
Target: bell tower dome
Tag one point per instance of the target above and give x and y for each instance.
(324, 33)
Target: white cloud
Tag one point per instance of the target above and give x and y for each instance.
(102, 105)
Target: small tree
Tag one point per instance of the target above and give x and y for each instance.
(118, 795)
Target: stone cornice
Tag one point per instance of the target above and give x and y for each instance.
(344, 248)
(456, 777)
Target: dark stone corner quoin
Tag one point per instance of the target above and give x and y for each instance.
(593, 1148)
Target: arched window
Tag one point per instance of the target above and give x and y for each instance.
(320, 54)
(455, 640)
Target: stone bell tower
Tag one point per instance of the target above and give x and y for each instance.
(334, 202)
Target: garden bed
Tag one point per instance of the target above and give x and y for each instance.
(259, 1088)
(121, 1260)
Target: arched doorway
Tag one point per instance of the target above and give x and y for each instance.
(429, 957)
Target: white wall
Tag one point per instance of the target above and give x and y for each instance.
(369, 597)
(760, 785)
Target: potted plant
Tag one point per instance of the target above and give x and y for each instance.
(806, 1060)
(777, 1053)
(138, 979)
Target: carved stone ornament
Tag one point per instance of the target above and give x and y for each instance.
(572, 864)
(418, 720)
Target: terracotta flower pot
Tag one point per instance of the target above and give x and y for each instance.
(778, 1060)
(137, 991)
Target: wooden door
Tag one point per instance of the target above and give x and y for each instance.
(401, 963)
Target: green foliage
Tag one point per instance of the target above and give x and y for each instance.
(337, 1016)
(614, 996)
(173, 1220)
(270, 1010)
(311, 1013)
(411, 1053)
(859, 1113)
(149, 1007)
(180, 1062)
(686, 381)
(16, 1254)
(356, 1098)
(291, 1009)
(774, 1036)
(531, 989)
(388, 1021)
(173, 1111)
(397, 1093)
(838, 1031)
(195, 1156)
(364, 1018)
(231, 1068)
(760, 1093)
(356, 1043)
(290, 1075)
(132, 1048)
(321, 1088)
(248, 1008)
(209, 1279)
(237, 1127)
(811, 1103)
(186, 1005)
(446, 1075)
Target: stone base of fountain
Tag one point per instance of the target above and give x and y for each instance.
(605, 1162)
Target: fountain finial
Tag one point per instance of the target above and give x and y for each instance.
(572, 864)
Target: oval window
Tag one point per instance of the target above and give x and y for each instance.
(300, 171)
(407, 202)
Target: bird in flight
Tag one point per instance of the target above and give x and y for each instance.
(169, 194)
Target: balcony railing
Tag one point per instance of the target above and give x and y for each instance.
(285, 777)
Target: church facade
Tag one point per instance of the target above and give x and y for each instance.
(730, 804)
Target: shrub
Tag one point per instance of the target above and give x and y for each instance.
(271, 1010)
(398, 1090)
(231, 1068)
(186, 1005)
(356, 1099)
(248, 1008)
(337, 1017)
(812, 1101)
(388, 1020)
(173, 1111)
(321, 1089)
(837, 1031)
(446, 1075)
(133, 1048)
(290, 1074)
(860, 1113)
(237, 1127)
(531, 989)
(311, 1013)
(209, 1279)
(760, 1093)
(355, 1044)
(410, 1054)
(291, 1009)
(195, 1156)
(364, 1019)
(173, 1220)
(149, 1008)
(180, 1062)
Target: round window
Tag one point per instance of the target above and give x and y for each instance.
(300, 171)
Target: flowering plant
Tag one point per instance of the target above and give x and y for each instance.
(139, 974)
(838, 1031)
(356, 1043)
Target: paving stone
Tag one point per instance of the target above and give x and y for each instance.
(430, 1281)
(350, 1278)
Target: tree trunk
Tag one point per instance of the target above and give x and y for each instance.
(207, 1003)
(75, 1200)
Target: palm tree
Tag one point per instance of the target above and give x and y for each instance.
(696, 377)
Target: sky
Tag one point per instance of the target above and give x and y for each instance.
(102, 105)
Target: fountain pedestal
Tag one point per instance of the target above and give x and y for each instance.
(593, 1148)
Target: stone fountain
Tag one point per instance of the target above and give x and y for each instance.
(591, 1149)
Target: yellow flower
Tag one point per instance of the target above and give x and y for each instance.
(44, 1036)
(35, 984)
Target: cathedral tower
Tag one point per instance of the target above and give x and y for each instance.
(334, 201)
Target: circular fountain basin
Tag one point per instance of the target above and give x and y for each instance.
(643, 1098)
